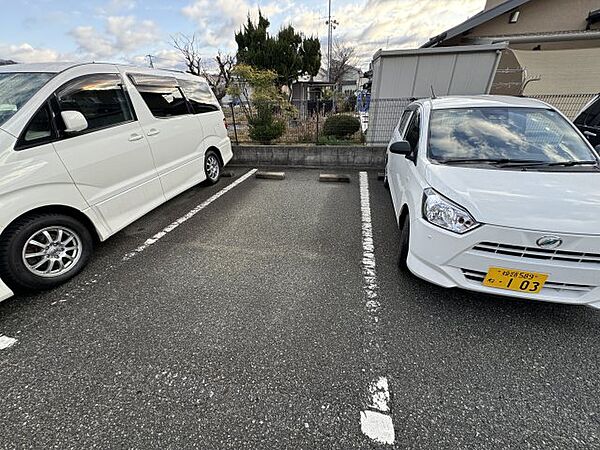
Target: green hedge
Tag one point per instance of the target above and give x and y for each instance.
(341, 126)
(264, 128)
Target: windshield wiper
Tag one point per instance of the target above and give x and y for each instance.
(506, 162)
(573, 163)
(553, 164)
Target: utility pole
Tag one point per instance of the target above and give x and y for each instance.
(150, 59)
(331, 24)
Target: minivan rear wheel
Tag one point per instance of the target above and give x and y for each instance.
(212, 167)
(42, 251)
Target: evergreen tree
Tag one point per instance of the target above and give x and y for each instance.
(289, 54)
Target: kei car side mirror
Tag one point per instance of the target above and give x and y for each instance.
(400, 148)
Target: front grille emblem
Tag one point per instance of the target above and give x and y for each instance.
(549, 242)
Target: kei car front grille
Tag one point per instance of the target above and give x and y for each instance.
(538, 253)
(575, 289)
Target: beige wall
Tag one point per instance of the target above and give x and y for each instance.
(491, 3)
(541, 16)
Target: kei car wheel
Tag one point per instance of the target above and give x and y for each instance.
(43, 251)
(404, 245)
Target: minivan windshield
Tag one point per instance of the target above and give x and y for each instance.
(506, 137)
(16, 89)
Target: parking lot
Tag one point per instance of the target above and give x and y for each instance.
(256, 317)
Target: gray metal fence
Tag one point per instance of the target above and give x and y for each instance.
(569, 104)
(384, 115)
(305, 124)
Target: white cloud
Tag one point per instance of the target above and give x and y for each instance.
(163, 59)
(369, 25)
(218, 21)
(26, 53)
(122, 35)
(365, 24)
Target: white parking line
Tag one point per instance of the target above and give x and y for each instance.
(154, 239)
(376, 420)
(6, 342)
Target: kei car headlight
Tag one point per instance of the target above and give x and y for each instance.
(444, 213)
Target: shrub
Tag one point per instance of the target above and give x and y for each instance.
(341, 126)
(263, 127)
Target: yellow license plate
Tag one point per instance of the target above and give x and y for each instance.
(515, 280)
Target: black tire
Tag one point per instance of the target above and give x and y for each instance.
(14, 244)
(386, 183)
(404, 245)
(212, 167)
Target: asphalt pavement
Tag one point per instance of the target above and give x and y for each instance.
(246, 327)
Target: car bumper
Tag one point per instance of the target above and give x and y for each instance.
(5, 292)
(452, 260)
(226, 151)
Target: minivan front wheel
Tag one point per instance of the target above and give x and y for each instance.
(42, 251)
(212, 167)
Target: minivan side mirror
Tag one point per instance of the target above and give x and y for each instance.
(400, 148)
(74, 121)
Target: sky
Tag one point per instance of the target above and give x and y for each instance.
(128, 30)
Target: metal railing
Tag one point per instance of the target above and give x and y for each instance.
(304, 122)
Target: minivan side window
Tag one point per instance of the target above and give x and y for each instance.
(99, 97)
(162, 95)
(413, 132)
(200, 96)
(39, 130)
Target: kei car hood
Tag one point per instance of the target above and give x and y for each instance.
(559, 202)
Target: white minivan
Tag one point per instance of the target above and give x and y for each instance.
(498, 195)
(86, 149)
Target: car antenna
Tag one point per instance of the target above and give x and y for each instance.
(433, 96)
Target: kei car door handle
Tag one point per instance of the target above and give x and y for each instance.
(153, 132)
(589, 133)
(135, 137)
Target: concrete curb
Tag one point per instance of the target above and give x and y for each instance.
(309, 156)
(334, 178)
(269, 175)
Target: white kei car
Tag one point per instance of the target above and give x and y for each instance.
(498, 195)
(85, 150)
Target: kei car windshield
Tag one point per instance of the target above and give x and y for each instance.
(16, 89)
(505, 134)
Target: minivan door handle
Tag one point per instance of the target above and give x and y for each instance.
(135, 137)
(153, 132)
(589, 133)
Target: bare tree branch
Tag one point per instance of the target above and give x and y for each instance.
(189, 50)
(343, 61)
(217, 72)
